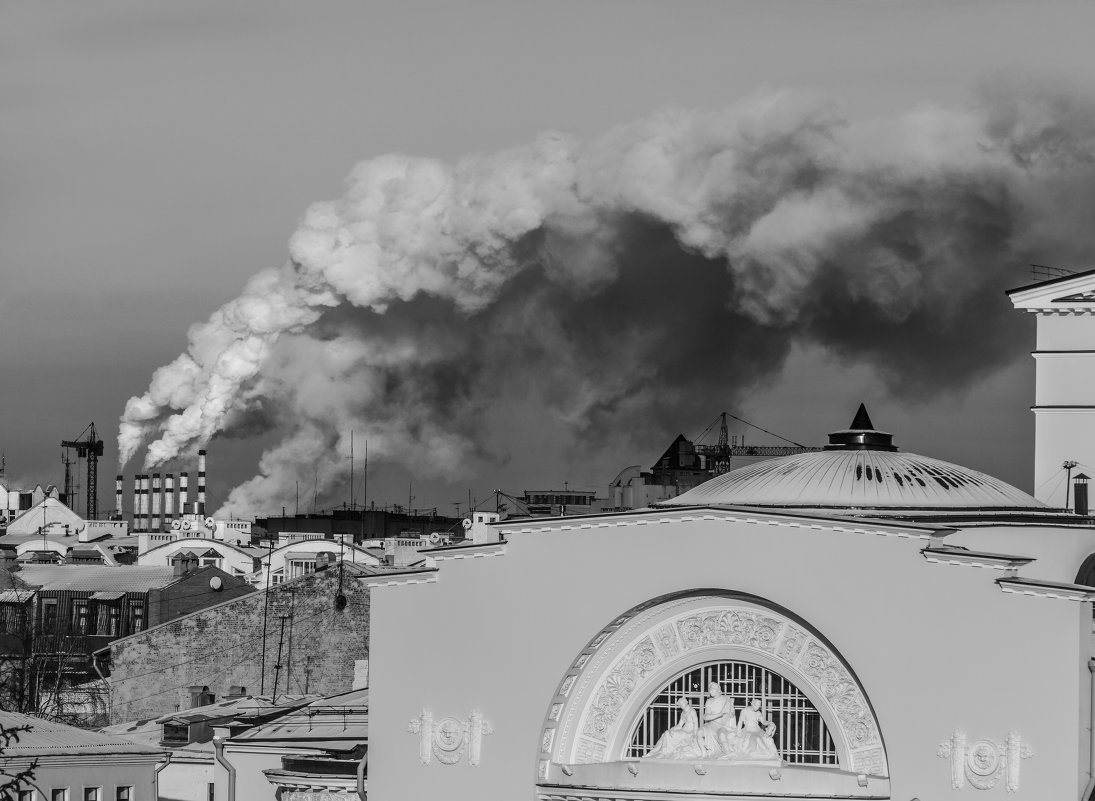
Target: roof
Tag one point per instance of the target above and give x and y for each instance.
(337, 722)
(97, 578)
(15, 596)
(860, 469)
(48, 737)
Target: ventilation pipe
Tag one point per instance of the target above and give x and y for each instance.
(1079, 494)
(168, 498)
(201, 482)
(157, 496)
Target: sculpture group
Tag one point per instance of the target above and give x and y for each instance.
(722, 735)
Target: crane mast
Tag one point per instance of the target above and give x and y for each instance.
(89, 448)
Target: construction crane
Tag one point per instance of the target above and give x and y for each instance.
(90, 448)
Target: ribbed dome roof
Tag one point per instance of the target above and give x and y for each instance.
(859, 469)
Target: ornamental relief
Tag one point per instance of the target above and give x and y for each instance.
(732, 627)
(600, 694)
(984, 763)
(842, 693)
(618, 686)
(450, 740)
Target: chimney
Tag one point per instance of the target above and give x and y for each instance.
(201, 482)
(144, 503)
(157, 496)
(184, 490)
(136, 502)
(118, 495)
(1079, 494)
(169, 497)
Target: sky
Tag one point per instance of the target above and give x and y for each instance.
(155, 157)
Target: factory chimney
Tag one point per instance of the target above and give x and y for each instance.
(184, 492)
(144, 502)
(118, 496)
(137, 502)
(201, 482)
(157, 496)
(168, 499)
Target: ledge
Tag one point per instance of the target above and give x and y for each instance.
(1047, 589)
(946, 555)
(638, 780)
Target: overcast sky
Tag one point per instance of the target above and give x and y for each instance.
(155, 156)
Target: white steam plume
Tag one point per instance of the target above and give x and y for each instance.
(627, 275)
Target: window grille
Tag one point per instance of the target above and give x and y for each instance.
(801, 735)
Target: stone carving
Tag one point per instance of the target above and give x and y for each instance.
(747, 738)
(666, 639)
(449, 740)
(682, 741)
(791, 644)
(589, 752)
(984, 762)
(868, 762)
(841, 691)
(618, 686)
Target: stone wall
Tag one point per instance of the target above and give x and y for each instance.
(221, 647)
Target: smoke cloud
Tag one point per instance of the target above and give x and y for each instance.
(614, 285)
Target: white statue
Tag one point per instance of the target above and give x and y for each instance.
(755, 738)
(720, 732)
(682, 740)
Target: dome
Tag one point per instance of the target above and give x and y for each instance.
(860, 468)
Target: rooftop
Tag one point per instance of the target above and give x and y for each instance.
(97, 578)
(48, 737)
(860, 469)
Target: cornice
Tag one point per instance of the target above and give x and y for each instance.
(946, 555)
(688, 514)
(1047, 589)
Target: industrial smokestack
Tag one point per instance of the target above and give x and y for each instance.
(169, 498)
(201, 482)
(144, 502)
(137, 502)
(118, 495)
(184, 492)
(156, 498)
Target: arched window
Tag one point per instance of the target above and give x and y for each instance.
(1086, 575)
(801, 735)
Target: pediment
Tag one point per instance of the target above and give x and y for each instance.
(1069, 293)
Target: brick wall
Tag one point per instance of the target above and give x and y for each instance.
(222, 646)
(193, 591)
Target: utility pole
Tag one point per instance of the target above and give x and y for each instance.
(351, 469)
(1068, 465)
(277, 665)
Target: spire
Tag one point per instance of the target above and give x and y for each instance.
(862, 421)
(861, 436)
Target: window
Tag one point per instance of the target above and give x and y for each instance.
(211, 792)
(801, 735)
(122, 793)
(93, 794)
(79, 616)
(176, 733)
(13, 619)
(25, 795)
(58, 794)
(108, 618)
(49, 615)
(136, 616)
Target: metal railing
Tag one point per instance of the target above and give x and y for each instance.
(801, 735)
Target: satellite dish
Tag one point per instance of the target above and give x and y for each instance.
(215, 583)
(435, 538)
(186, 525)
(176, 525)
(210, 522)
(466, 522)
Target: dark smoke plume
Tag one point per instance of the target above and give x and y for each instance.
(623, 283)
